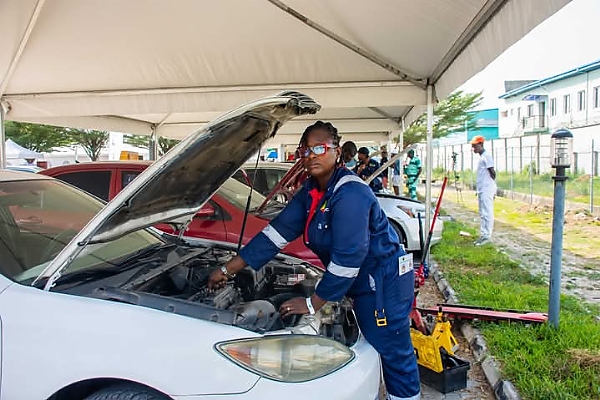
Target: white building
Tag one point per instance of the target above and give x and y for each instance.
(570, 99)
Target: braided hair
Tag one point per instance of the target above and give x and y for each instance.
(326, 126)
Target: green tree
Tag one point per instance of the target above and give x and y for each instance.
(449, 115)
(142, 141)
(92, 141)
(37, 137)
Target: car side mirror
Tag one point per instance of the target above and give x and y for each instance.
(206, 212)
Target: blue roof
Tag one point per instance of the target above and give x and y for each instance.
(574, 72)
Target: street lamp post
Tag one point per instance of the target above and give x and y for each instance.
(560, 151)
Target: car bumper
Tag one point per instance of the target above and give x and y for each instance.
(358, 380)
(413, 242)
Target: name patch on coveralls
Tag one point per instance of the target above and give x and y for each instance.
(405, 264)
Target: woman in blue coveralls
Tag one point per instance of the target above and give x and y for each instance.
(341, 221)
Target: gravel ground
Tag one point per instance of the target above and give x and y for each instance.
(477, 385)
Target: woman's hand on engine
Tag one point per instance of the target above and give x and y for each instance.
(220, 276)
(297, 305)
(217, 279)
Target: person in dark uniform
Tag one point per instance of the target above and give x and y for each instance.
(340, 220)
(367, 167)
(385, 172)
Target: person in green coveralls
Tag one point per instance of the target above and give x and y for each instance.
(412, 170)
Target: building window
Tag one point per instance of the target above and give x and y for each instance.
(597, 97)
(566, 104)
(518, 113)
(581, 100)
(530, 110)
(512, 112)
(552, 107)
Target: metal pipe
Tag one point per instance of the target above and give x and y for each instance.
(531, 177)
(592, 180)
(2, 139)
(208, 89)
(512, 171)
(400, 147)
(15, 60)
(558, 219)
(429, 161)
(153, 144)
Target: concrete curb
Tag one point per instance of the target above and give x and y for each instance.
(503, 389)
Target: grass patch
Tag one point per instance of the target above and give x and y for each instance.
(580, 238)
(542, 362)
(577, 188)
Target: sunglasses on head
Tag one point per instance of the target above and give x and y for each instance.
(317, 150)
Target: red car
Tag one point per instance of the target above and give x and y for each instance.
(219, 219)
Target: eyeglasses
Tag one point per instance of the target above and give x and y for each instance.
(317, 150)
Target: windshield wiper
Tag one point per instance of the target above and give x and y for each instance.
(129, 262)
(88, 275)
(138, 255)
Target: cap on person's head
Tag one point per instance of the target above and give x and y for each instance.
(363, 150)
(477, 139)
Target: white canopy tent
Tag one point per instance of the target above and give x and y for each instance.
(164, 68)
(15, 150)
(143, 66)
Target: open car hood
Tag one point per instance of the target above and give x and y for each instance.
(178, 184)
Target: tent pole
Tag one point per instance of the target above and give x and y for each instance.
(401, 147)
(2, 139)
(429, 160)
(153, 144)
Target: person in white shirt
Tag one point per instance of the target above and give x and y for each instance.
(486, 190)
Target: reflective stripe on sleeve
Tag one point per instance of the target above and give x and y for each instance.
(343, 272)
(275, 236)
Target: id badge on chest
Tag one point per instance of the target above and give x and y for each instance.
(405, 264)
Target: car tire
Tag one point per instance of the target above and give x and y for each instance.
(399, 232)
(126, 392)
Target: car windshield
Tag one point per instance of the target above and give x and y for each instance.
(38, 218)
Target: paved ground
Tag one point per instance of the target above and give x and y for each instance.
(477, 386)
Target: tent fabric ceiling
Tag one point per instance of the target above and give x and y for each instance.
(133, 65)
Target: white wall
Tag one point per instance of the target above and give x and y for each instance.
(509, 124)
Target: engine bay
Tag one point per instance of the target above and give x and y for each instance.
(250, 301)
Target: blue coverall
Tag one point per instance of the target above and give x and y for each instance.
(372, 166)
(353, 238)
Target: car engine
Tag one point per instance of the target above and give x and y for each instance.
(250, 301)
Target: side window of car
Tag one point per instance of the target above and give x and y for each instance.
(127, 177)
(273, 177)
(94, 182)
(257, 178)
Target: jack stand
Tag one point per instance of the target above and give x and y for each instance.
(438, 366)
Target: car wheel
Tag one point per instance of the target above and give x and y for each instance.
(399, 232)
(126, 392)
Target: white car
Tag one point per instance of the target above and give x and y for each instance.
(271, 179)
(96, 304)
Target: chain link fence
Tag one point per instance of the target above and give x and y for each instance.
(523, 169)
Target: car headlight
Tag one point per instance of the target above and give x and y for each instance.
(287, 358)
(409, 211)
